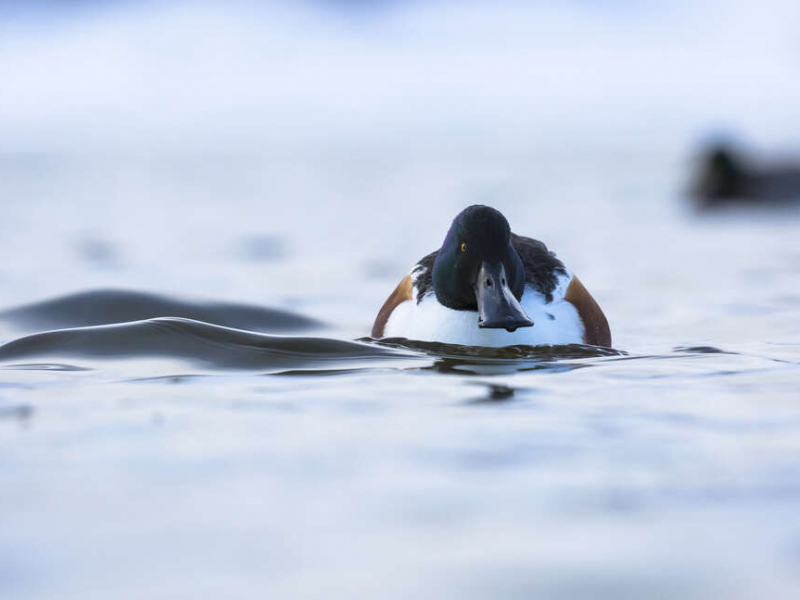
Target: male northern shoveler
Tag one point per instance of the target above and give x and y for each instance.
(487, 286)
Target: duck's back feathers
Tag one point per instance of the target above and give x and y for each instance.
(542, 269)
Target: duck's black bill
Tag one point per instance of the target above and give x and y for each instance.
(498, 308)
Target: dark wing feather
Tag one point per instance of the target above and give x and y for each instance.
(542, 268)
(424, 282)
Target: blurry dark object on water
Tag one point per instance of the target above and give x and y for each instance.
(264, 248)
(98, 252)
(106, 307)
(726, 177)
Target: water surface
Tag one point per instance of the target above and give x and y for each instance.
(201, 212)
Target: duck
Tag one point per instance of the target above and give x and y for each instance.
(486, 286)
(727, 178)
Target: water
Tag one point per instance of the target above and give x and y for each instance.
(210, 446)
(189, 404)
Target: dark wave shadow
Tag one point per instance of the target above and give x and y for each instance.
(103, 307)
(200, 344)
(207, 347)
(479, 360)
(700, 350)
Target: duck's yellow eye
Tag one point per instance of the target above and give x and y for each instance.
(463, 246)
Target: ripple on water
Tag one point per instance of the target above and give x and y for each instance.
(105, 307)
(477, 360)
(208, 346)
(105, 325)
(16, 412)
(699, 350)
(201, 344)
(204, 346)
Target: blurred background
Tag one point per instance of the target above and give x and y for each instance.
(304, 155)
(191, 147)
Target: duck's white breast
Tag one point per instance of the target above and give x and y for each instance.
(556, 322)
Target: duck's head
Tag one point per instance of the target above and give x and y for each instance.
(478, 269)
(722, 175)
